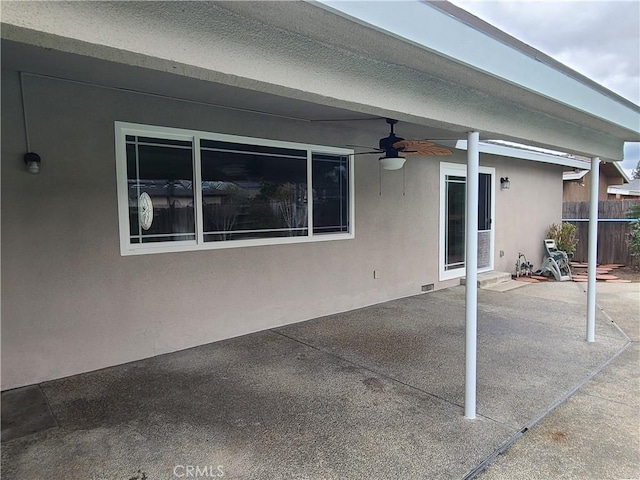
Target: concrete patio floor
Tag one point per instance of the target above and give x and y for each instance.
(372, 393)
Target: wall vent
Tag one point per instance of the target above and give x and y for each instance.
(427, 288)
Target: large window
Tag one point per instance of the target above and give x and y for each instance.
(185, 190)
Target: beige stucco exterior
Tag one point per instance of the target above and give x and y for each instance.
(71, 303)
(286, 71)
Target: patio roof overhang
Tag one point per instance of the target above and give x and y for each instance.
(310, 62)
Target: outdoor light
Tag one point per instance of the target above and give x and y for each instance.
(505, 184)
(32, 161)
(392, 163)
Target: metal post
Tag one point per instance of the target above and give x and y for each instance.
(471, 288)
(593, 250)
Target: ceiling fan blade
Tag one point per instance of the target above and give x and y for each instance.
(421, 147)
(431, 151)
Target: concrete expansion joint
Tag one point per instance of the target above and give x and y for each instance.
(624, 334)
(387, 377)
(509, 442)
(48, 403)
(583, 288)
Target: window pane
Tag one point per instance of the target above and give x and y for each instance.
(246, 148)
(330, 194)
(484, 202)
(455, 223)
(160, 179)
(252, 195)
(163, 141)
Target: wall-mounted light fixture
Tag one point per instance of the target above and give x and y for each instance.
(32, 161)
(392, 163)
(505, 184)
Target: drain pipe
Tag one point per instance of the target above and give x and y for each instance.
(471, 285)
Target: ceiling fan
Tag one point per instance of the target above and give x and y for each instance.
(396, 149)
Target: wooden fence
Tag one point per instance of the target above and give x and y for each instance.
(613, 227)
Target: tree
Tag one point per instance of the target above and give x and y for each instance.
(635, 174)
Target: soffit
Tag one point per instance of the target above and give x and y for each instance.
(358, 36)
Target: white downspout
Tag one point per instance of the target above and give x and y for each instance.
(593, 250)
(471, 288)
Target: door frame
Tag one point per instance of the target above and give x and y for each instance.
(460, 170)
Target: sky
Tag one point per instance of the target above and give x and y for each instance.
(600, 39)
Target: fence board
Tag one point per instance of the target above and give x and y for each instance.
(612, 236)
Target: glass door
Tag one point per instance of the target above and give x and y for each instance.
(485, 222)
(453, 220)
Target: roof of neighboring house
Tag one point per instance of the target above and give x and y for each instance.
(608, 169)
(631, 188)
(574, 175)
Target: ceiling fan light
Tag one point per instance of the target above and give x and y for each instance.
(392, 163)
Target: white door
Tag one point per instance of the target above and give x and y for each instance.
(453, 183)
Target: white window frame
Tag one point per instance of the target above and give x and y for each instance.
(122, 129)
(460, 170)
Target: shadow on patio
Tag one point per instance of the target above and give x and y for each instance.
(372, 393)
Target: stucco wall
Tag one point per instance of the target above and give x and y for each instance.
(71, 303)
(525, 211)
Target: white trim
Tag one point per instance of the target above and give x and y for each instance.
(197, 180)
(522, 154)
(622, 172)
(460, 169)
(122, 129)
(471, 45)
(571, 176)
(621, 190)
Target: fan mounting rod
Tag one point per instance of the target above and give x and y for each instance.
(391, 122)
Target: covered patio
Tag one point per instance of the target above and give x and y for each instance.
(144, 360)
(376, 392)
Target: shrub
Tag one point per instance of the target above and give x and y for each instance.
(565, 236)
(633, 241)
(634, 211)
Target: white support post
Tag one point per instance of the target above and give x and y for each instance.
(471, 288)
(593, 250)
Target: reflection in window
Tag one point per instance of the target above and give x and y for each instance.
(455, 195)
(163, 169)
(484, 202)
(330, 194)
(249, 194)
